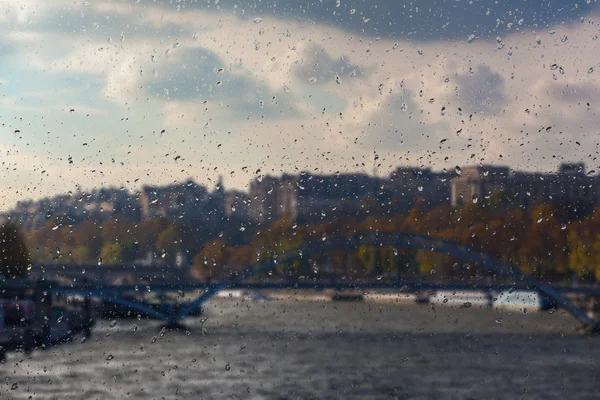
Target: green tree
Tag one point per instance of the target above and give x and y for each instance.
(111, 253)
(81, 255)
(367, 256)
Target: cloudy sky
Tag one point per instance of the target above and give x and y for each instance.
(135, 92)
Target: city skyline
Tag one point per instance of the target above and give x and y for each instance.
(308, 197)
(218, 180)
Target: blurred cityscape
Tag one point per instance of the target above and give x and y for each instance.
(308, 198)
(188, 224)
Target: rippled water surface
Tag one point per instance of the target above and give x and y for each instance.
(302, 349)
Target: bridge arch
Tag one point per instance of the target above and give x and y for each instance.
(413, 241)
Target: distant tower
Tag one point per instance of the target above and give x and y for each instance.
(219, 187)
(218, 197)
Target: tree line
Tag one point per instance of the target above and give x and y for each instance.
(554, 242)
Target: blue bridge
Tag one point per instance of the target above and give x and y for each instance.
(505, 277)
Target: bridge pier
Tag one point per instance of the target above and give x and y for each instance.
(490, 299)
(592, 306)
(173, 324)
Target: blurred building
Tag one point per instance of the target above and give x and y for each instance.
(411, 186)
(476, 182)
(186, 200)
(237, 204)
(308, 197)
(263, 196)
(570, 184)
(72, 208)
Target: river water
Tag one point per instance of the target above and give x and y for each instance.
(289, 349)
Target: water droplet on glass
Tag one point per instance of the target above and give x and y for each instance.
(352, 11)
(420, 188)
(312, 79)
(458, 170)
(475, 198)
(257, 20)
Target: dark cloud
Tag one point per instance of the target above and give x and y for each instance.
(481, 90)
(422, 20)
(202, 76)
(419, 20)
(318, 67)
